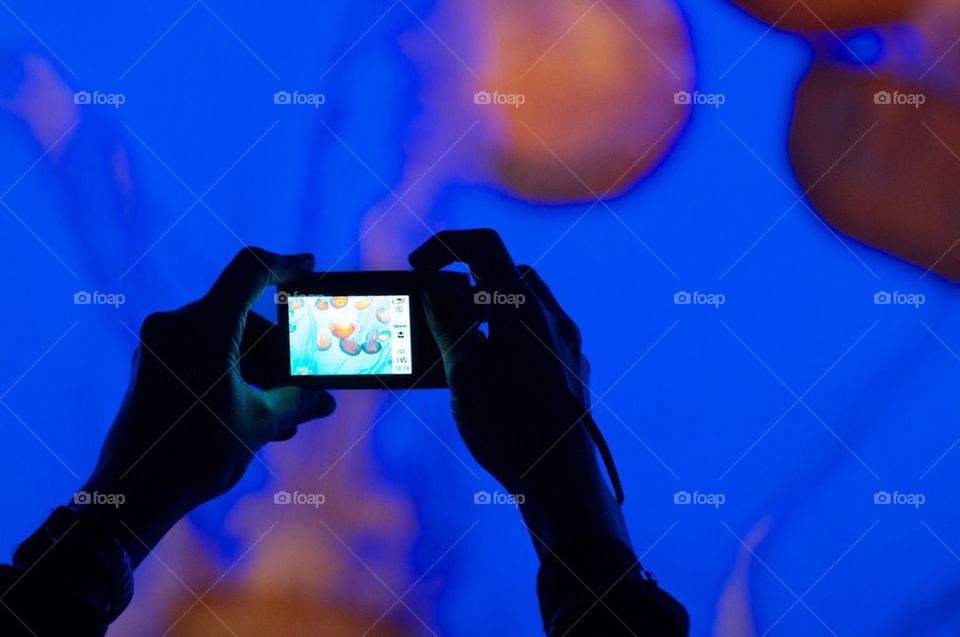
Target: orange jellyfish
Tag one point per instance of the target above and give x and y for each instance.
(362, 304)
(296, 304)
(561, 87)
(873, 149)
(339, 301)
(819, 15)
(323, 341)
(322, 304)
(349, 347)
(372, 346)
(342, 329)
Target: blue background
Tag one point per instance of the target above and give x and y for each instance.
(877, 383)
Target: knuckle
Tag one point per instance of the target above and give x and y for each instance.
(445, 237)
(489, 236)
(262, 412)
(253, 257)
(574, 333)
(155, 326)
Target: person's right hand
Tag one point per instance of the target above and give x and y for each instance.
(520, 394)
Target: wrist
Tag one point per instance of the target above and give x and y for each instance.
(562, 507)
(73, 556)
(137, 519)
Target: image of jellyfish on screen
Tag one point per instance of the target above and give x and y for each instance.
(349, 335)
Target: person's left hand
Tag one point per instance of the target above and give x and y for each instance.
(190, 423)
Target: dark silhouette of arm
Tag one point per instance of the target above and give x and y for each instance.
(187, 430)
(520, 399)
(190, 425)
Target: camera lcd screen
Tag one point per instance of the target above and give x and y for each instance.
(355, 335)
(360, 330)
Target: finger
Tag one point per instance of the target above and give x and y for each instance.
(292, 406)
(492, 266)
(540, 287)
(248, 275)
(261, 352)
(568, 327)
(566, 342)
(452, 320)
(482, 250)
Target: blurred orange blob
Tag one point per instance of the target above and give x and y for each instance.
(323, 341)
(339, 301)
(362, 304)
(583, 93)
(342, 329)
(269, 613)
(878, 150)
(819, 15)
(898, 187)
(45, 101)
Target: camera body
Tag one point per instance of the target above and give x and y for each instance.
(360, 330)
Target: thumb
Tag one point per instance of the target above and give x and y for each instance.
(291, 406)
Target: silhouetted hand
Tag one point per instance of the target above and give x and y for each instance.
(520, 394)
(190, 423)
